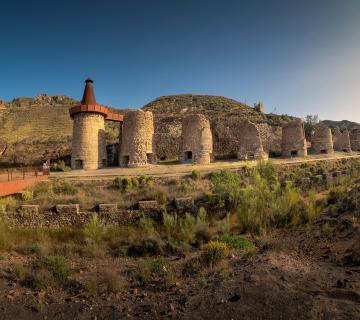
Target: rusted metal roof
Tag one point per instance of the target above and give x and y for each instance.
(89, 95)
(88, 104)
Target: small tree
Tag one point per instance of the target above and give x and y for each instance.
(309, 124)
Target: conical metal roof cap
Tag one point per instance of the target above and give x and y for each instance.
(89, 95)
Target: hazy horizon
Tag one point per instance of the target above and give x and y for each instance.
(298, 57)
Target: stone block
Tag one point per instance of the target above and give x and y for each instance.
(67, 208)
(107, 208)
(32, 209)
(148, 205)
(184, 203)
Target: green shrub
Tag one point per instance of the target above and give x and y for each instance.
(184, 229)
(267, 171)
(7, 204)
(62, 186)
(326, 229)
(227, 186)
(236, 242)
(196, 175)
(191, 267)
(214, 251)
(94, 230)
(125, 183)
(32, 248)
(27, 195)
(58, 267)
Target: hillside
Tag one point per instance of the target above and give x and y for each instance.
(34, 129)
(211, 106)
(342, 124)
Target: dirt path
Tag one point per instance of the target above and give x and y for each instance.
(173, 170)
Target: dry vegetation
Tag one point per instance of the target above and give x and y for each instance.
(178, 253)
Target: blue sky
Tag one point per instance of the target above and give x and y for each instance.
(298, 56)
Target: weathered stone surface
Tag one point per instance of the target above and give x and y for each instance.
(31, 209)
(250, 144)
(321, 141)
(225, 134)
(342, 140)
(196, 140)
(107, 208)
(148, 205)
(67, 208)
(89, 143)
(184, 203)
(259, 107)
(293, 139)
(137, 139)
(355, 139)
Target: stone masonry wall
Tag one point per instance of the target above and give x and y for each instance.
(355, 139)
(293, 139)
(137, 139)
(88, 143)
(321, 141)
(250, 144)
(196, 140)
(342, 140)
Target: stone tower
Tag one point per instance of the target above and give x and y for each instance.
(250, 144)
(355, 139)
(88, 142)
(136, 145)
(321, 141)
(196, 144)
(293, 142)
(342, 140)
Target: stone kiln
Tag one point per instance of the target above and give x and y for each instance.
(321, 141)
(196, 144)
(342, 140)
(355, 139)
(293, 142)
(250, 144)
(137, 139)
(88, 142)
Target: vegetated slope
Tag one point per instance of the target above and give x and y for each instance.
(211, 106)
(35, 129)
(342, 124)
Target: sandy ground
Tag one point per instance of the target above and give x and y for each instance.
(177, 169)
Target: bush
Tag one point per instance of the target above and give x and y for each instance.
(267, 171)
(94, 230)
(263, 206)
(7, 204)
(196, 175)
(191, 268)
(227, 186)
(124, 183)
(27, 195)
(236, 242)
(62, 186)
(214, 251)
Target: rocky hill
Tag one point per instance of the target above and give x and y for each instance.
(342, 124)
(224, 115)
